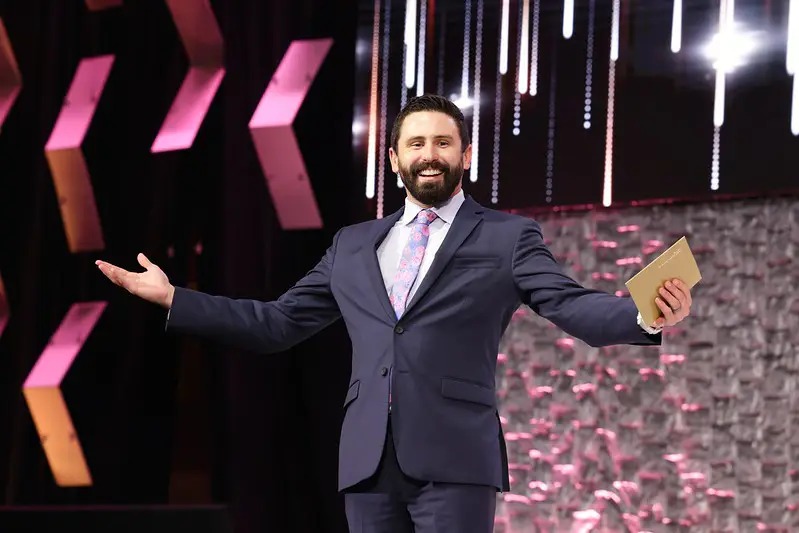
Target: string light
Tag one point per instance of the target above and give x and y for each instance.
(421, 47)
(607, 184)
(534, 48)
(589, 65)
(371, 145)
(381, 171)
(478, 54)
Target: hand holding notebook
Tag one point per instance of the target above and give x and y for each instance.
(660, 301)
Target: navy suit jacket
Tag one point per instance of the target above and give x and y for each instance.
(443, 350)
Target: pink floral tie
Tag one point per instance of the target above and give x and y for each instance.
(411, 260)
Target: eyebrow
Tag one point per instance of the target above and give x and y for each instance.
(422, 138)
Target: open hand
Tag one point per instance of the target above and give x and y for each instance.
(674, 302)
(151, 285)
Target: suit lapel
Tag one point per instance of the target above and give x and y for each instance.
(469, 215)
(379, 230)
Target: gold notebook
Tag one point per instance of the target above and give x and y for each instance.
(676, 262)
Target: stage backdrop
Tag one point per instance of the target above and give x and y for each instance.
(588, 101)
(699, 434)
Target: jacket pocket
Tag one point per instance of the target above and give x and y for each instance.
(352, 393)
(457, 389)
(475, 261)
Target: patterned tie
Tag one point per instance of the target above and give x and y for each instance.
(411, 260)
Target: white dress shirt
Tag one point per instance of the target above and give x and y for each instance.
(389, 252)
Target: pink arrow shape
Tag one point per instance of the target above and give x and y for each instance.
(42, 390)
(273, 135)
(65, 157)
(10, 79)
(203, 43)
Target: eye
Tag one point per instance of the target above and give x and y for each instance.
(416, 144)
(443, 144)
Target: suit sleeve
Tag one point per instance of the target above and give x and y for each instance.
(261, 327)
(595, 317)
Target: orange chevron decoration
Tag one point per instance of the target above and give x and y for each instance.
(65, 157)
(271, 127)
(203, 43)
(42, 390)
(10, 79)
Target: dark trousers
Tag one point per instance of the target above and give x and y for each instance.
(391, 502)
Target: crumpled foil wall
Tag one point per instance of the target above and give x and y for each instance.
(700, 434)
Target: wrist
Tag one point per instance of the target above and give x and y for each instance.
(170, 294)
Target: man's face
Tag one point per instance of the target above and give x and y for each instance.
(429, 157)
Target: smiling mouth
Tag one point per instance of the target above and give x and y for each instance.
(437, 174)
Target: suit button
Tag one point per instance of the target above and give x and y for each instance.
(399, 329)
(383, 371)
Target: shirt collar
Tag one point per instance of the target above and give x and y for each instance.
(446, 211)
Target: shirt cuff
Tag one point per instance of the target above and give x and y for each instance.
(649, 329)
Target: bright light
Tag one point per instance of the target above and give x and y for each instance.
(463, 102)
(524, 48)
(410, 43)
(730, 48)
(568, 18)
(503, 38)
(792, 55)
(676, 27)
(357, 128)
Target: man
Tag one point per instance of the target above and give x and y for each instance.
(426, 294)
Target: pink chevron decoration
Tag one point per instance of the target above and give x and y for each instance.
(274, 139)
(65, 157)
(99, 5)
(203, 43)
(4, 307)
(10, 79)
(42, 391)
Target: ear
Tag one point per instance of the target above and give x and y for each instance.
(467, 158)
(392, 155)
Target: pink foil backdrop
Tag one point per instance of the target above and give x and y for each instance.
(700, 434)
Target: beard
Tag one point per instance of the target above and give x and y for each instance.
(433, 192)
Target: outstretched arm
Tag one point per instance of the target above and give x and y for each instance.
(263, 327)
(596, 317)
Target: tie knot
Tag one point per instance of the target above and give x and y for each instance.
(425, 217)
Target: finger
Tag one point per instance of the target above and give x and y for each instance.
(143, 261)
(669, 298)
(117, 275)
(668, 314)
(108, 270)
(660, 322)
(677, 293)
(685, 290)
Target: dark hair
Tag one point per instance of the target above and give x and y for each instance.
(430, 102)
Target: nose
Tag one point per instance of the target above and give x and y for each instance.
(429, 154)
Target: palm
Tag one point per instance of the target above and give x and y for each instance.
(151, 285)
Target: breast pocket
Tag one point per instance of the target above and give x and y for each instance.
(475, 261)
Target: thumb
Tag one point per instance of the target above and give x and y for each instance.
(143, 261)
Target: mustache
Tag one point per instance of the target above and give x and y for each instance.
(416, 168)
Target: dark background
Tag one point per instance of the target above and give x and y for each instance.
(164, 419)
(663, 107)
